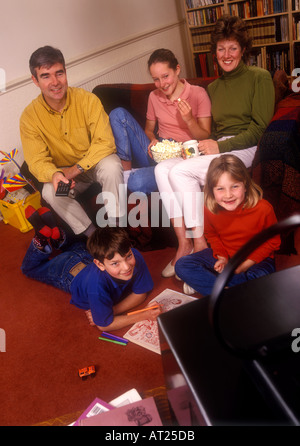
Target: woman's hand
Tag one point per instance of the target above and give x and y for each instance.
(208, 147)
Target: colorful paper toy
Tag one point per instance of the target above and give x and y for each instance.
(8, 157)
(17, 181)
(14, 183)
(2, 190)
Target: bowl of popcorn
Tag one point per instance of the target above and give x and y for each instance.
(165, 150)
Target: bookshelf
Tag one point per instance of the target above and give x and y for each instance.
(273, 24)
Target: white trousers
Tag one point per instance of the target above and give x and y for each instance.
(108, 173)
(180, 181)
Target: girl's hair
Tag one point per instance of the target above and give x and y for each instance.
(46, 56)
(163, 55)
(237, 169)
(104, 243)
(232, 28)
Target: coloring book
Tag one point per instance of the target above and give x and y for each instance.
(145, 333)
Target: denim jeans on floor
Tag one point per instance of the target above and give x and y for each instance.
(132, 145)
(56, 271)
(197, 270)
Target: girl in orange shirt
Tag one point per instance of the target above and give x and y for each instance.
(234, 212)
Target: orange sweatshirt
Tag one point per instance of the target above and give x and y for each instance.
(227, 231)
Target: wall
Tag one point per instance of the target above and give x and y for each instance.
(102, 41)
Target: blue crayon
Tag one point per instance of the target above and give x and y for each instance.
(116, 338)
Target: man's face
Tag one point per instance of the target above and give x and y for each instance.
(53, 84)
(119, 267)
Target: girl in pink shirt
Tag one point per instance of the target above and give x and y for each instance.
(189, 118)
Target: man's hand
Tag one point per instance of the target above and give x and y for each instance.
(59, 176)
(71, 172)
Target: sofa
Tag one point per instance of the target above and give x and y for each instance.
(276, 166)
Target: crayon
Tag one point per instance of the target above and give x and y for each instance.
(112, 340)
(111, 336)
(144, 309)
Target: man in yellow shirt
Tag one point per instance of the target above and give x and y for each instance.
(66, 135)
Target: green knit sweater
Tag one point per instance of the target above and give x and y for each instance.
(242, 106)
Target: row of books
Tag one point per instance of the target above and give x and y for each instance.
(271, 30)
(201, 38)
(257, 8)
(206, 65)
(296, 28)
(262, 31)
(296, 5)
(190, 4)
(205, 16)
(272, 60)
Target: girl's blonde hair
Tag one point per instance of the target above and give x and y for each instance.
(237, 169)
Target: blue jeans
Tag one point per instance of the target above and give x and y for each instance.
(132, 145)
(197, 270)
(55, 271)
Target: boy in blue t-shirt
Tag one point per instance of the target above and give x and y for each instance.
(107, 280)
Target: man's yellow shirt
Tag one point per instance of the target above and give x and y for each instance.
(80, 134)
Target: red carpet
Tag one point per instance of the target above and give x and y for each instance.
(48, 340)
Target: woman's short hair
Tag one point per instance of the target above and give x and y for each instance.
(46, 56)
(165, 56)
(232, 28)
(104, 243)
(237, 169)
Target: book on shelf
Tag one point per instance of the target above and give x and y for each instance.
(190, 4)
(262, 31)
(257, 8)
(203, 66)
(296, 5)
(206, 65)
(296, 28)
(201, 38)
(204, 16)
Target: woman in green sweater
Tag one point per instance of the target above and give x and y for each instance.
(242, 106)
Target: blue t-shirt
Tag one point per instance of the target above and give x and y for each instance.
(96, 290)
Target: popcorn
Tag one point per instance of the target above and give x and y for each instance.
(166, 149)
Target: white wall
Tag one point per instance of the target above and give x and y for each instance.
(97, 37)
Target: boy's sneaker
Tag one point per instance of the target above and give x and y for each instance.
(41, 243)
(58, 236)
(38, 224)
(58, 239)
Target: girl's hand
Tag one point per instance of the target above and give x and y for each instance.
(244, 266)
(220, 264)
(208, 147)
(185, 110)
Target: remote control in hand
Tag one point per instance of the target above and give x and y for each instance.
(63, 189)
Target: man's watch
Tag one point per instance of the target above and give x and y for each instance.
(80, 168)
